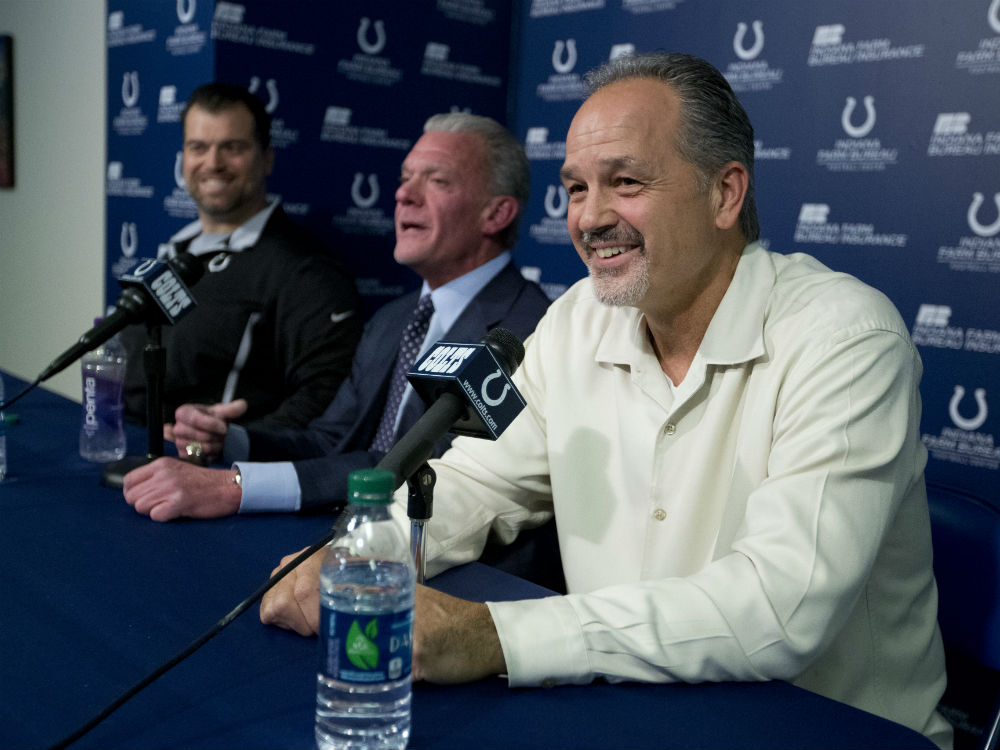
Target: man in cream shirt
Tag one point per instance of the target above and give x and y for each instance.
(727, 437)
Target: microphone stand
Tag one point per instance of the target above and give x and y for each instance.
(154, 361)
(419, 507)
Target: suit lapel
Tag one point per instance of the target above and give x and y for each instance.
(488, 308)
(484, 311)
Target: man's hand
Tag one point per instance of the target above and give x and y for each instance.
(454, 640)
(293, 602)
(167, 488)
(206, 424)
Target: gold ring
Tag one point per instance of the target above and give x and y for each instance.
(193, 450)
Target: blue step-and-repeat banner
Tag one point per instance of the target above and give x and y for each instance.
(877, 129)
(348, 86)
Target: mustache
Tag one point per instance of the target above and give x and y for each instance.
(623, 235)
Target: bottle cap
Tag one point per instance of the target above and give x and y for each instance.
(370, 487)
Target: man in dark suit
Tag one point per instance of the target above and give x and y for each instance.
(463, 187)
(275, 327)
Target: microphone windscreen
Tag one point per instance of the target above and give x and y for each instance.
(188, 267)
(506, 347)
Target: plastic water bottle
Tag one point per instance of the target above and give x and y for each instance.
(367, 587)
(102, 428)
(3, 435)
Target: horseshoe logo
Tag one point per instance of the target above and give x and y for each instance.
(359, 200)
(272, 92)
(994, 15)
(858, 131)
(219, 262)
(558, 63)
(554, 210)
(486, 381)
(129, 239)
(179, 170)
(983, 230)
(741, 30)
(961, 422)
(185, 16)
(144, 267)
(130, 88)
(371, 48)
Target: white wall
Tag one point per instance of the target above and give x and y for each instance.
(52, 235)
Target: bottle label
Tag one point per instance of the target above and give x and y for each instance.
(102, 403)
(365, 648)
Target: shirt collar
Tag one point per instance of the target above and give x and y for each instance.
(451, 299)
(243, 237)
(735, 333)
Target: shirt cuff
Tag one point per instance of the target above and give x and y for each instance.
(236, 445)
(542, 642)
(269, 487)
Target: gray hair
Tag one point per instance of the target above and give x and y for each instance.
(506, 163)
(714, 126)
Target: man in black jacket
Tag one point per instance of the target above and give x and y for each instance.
(275, 327)
(463, 187)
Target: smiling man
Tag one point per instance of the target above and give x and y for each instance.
(275, 329)
(728, 439)
(225, 166)
(462, 189)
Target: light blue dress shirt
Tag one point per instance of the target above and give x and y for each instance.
(274, 486)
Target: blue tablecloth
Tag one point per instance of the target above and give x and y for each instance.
(94, 597)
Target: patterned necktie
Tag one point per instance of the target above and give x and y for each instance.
(409, 346)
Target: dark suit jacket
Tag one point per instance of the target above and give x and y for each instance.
(336, 443)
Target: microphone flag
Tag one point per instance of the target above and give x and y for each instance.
(164, 285)
(473, 373)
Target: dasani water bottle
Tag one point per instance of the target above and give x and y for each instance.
(366, 623)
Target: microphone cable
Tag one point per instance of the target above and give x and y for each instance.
(403, 459)
(30, 388)
(195, 645)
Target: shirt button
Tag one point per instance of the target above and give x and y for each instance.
(670, 429)
(659, 514)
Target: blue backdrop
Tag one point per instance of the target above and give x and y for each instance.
(878, 151)
(348, 86)
(877, 129)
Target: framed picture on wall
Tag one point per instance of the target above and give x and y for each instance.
(6, 111)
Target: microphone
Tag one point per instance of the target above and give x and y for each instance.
(469, 391)
(154, 292)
